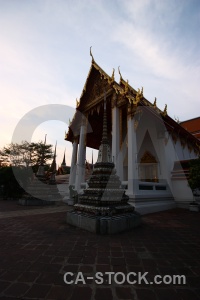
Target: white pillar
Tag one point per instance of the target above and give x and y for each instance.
(80, 168)
(73, 163)
(132, 158)
(116, 153)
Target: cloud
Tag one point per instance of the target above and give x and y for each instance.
(159, 55)
(44, 51)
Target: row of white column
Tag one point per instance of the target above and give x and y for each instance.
(77, 172)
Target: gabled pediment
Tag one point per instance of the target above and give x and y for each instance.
(99, 85)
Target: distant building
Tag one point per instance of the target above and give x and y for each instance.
(193, 126)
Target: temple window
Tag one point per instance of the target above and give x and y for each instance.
(148, 168)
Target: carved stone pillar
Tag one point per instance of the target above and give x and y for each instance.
(132, 157)
(72, 176)
(80, 168)
(116, 130)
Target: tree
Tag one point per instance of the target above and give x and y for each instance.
(194, 177)
(4, 161)
(24, 159)
(43, 153)
(27, 154)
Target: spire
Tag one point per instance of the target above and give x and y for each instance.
(52, 179)
(63, 162)
(165, 110)
(120, 74)
(104, 137)
(41, 173)
(91, 54)
(42, 159)
(53, 165)
(104, 149)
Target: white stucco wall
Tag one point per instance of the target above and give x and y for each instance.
(166, 152)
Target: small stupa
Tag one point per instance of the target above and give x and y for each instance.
(64, 167)
(40, 190)
(52, 170)
(103, 207)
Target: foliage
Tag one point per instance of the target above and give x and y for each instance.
(194, 177)
(27, 154)
(4, 161)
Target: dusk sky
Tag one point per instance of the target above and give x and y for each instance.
(45, 46)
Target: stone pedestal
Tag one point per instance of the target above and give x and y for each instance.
(104, 224)
(103, 207)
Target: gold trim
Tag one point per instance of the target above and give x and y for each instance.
(148, 158)
(155, 103)
(77, 103)
(165, 110)
(113, 75)
(120, 74)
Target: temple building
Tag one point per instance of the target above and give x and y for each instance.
(147, 146)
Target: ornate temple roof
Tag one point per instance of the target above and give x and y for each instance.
(90, 105)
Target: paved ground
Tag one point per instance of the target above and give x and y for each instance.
(38, 248)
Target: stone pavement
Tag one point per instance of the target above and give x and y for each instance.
(37, 249)
(26, 211)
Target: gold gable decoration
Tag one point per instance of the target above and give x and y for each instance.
(155, 103)
(126, 98)
(110, 81)
(91, 54)
(139, 96)
(119, 74)
(77, 103)
(165, 111)
(148, 158)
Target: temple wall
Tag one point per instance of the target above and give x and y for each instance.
(153, 137)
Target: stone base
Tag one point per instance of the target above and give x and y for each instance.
(37, 202)
(104, 224)
(148, 206)
(194, 208)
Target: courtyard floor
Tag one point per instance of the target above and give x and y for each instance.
(37, 248)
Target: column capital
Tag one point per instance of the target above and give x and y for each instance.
(75, 139)
(114, 100)
(131, 109)
(84, 120)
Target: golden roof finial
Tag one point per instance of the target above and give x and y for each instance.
(120, 73)
(154, 104)
(126, 86)
(113, 75)
(165, 110)
(91, 54)
(139, 95)
(77, 102)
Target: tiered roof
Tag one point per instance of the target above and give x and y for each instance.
(98, 83)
